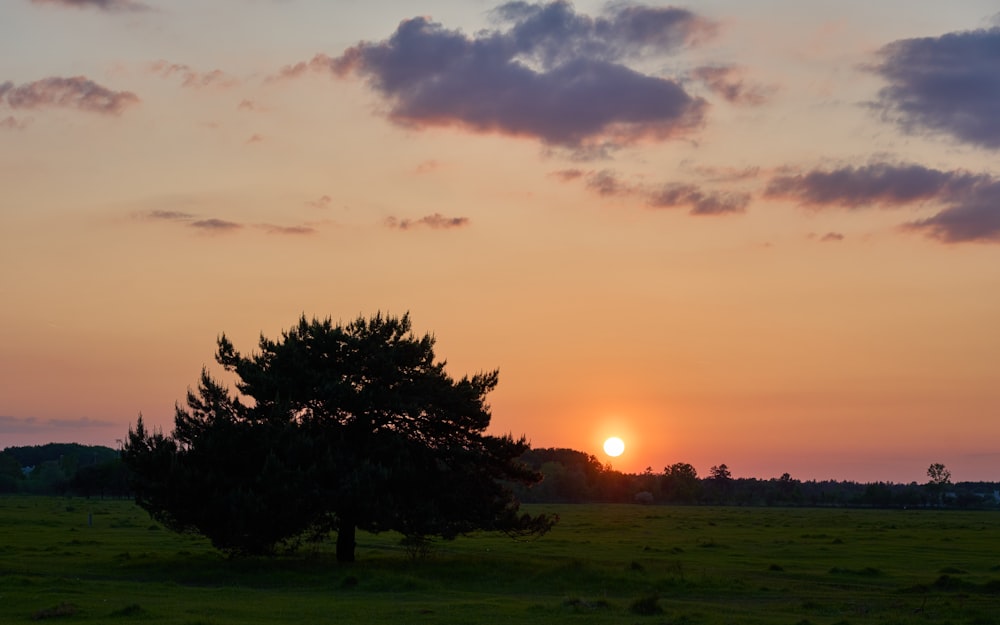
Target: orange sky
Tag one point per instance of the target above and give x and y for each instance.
(766, 236)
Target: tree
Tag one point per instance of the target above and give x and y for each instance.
(720, 473)
(680, 483)
(720, 483)
(940, 478)
(334, 427)
(939, 475)
(10, 473)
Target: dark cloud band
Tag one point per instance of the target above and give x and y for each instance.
(971, 202)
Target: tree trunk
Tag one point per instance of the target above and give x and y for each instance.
(345, 541)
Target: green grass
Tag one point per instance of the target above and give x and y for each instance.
(601, 564)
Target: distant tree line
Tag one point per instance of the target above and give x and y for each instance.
(64, 469)
(569, 476)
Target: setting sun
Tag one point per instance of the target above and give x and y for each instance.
(614, 446)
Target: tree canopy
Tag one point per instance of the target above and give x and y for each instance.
(332, 427)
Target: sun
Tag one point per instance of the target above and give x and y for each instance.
(614, 446)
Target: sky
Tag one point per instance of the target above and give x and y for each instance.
(762, 234)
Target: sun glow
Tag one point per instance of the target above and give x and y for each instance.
(614, 446)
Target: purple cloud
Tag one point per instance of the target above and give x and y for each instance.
(971, 201)
(169, 215)
(552, 74)
(104, 5)
(948, 84)
(879, 184)
(699, 202)
(437, 221)
(77, 92)
(272, 229)
(973, 217)
(607, 183)
(216, 225)
(221, 225)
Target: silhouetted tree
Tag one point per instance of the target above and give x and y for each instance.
(720, 483)
(11, 475)
(939, 475)
(680, 483)
(335, 427)
(939, 479)
(720, 473)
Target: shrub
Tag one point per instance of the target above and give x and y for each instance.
(646, 606)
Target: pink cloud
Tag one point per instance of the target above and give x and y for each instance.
(567, 175)
(11, 123)
(320, 62)
(191, 78)
(437, 221)
(727, 81)
(322, 202)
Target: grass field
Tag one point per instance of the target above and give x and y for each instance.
(92, 561)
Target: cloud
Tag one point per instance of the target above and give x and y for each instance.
(255, 138)
(607, 183)
(169, 215)
(191, 78)
(319, 63)
(77, 92)
(437, 221)
(216, 225)
(322, 202)
(878, 184)
(12, 123)
(829, 237)
(726, 174)
(698, 201)
(549, 73)
(427, 166)
(567, 175)
(971, 202)
(221, 225)
(973, 217)
(295, 230)
(948, 84)
(727, 82)
(104, 5)
(23, 425)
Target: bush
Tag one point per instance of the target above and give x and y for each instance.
(646, 606)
